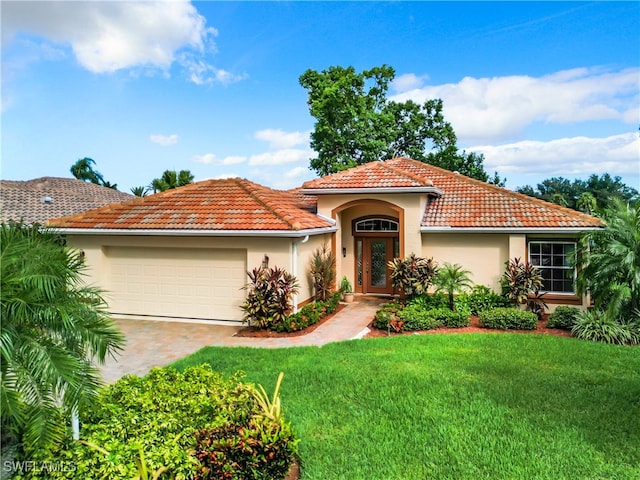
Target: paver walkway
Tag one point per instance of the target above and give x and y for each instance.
(157, 343)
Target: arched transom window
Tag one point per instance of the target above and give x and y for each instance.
(376, 225)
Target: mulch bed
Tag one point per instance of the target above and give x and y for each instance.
(262, 333)
(474, 327)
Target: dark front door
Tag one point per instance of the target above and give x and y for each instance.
(378, 252)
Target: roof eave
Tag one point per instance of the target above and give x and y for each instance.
(196, 233)
(333, 191)
(444, 229)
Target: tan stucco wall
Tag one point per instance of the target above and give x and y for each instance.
(484, 255)
(279, 251)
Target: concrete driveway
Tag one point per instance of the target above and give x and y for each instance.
(159, 343)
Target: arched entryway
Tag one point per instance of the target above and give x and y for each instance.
(370, 237)
(376, 244)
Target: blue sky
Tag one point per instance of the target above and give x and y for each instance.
(542, 89)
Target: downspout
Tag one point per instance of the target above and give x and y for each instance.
(294, 266)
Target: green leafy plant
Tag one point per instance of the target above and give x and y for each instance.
(609, 261)
(323, 272)
(345, 285)
(54, 331)
(521, 283)
(483, 298)
(164, 412)
(269, 296)
(563, 317)
(508, 318)
(413, 275)
(414, 317)
(452, 279)
(597, 326)
(308, 315)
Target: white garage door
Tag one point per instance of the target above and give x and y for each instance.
(176, 282)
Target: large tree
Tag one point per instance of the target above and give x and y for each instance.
(171, 179)
(596, 193)
(356, 124)
(54, 330)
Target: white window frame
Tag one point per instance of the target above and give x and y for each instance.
(373, 219)
(552, 267)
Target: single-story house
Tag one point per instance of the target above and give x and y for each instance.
(184, 253)
(41, 199)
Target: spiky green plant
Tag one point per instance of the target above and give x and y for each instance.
(452, 279)
(609, 261)
(55, 329)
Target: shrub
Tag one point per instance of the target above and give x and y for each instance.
(387, 315)
(508, 318)
(414, 317)
(308, 315)
(563, 317)
(269, 299)
(452, 319)
(597, 326)
(261, 448)
(160, 415)
(257, 449)
(483, 298)
(413, 275)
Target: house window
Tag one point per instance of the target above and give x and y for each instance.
(376, 225)
(555, 259)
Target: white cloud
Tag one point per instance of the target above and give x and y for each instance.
(109, 36)
(408, 81)
(280, 157)
(279, 139)
(499, 108)
(211, 159)
(296, 173)
(223, 176)
(576, 156)
(202, 73)
(164, 140)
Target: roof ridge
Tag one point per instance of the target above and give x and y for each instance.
(397, 170)
(507, 191)
(242, 183)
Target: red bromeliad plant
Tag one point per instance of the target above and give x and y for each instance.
(413, 275)
(521, 283)
(269, 299)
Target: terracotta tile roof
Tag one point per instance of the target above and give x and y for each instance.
(373, 175)
(229, 204)
(24, 200)
(469, 203)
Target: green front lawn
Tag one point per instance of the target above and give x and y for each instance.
(477, 406)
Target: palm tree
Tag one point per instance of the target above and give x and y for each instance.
(609, 261)
(53, 330)
(140, 191)
(452, 279)
(587, 203)
(171, 179)
(83, 170)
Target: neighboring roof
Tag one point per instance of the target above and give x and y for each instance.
(467, 204)
(29, 200)
(228, 205)
(373, 177)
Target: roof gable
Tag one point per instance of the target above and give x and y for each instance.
(222, 205)
(369, 177)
